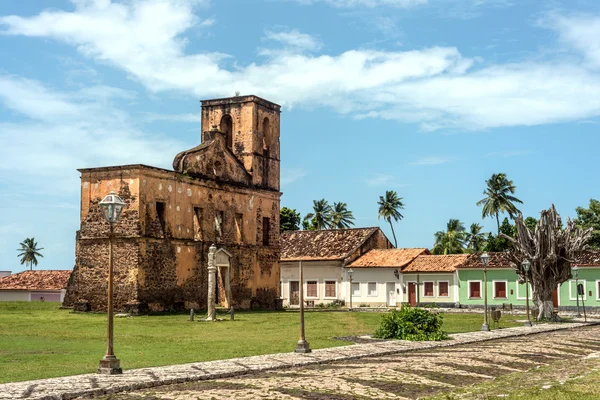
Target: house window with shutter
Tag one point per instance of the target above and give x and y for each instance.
(427, 289)
(330, 289)
(475, 290)
(500, 290)
(443, 289)
(311, 289)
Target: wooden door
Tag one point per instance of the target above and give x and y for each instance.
(554, 297)
(412, 294)
(294, 293)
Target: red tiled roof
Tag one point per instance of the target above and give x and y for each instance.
(589, 258)
(497, 260)
(436, 263)
(388, 258)
(335, 244)
(36, 280)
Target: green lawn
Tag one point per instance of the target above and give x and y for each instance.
(38, 340)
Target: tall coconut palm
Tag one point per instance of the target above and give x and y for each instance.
(498, 198)
(341, 217)
(321, 215)
(388, 209)
(475, 238)
(29, 252)
(451, 241)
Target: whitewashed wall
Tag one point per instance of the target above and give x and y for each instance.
(319, 271)
(14, 295)
(384, 281)
(421, 278)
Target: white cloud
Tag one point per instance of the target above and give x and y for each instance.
(367, 3)
(294, 39)
(435, 87)
(432, 160)
(63, 131)
(291, 175)
(188, 117)
(383, 180)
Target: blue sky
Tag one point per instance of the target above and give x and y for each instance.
(425, 97)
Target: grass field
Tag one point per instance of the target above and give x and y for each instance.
(38, 340)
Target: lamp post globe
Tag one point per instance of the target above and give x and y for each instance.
(485, 258)
(526, 266)
(111, 206)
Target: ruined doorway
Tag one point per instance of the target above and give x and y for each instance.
(223, 284)
(294, 293)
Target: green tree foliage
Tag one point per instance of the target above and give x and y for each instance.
(289, 220)
(590, 218)
(499, 198)
(308, 225)
(320, 218)
(411, 324)
(389, 206)
(475, 238)
(498, 243)
(452, 240)
(341, 217)
(530, 223)
(29, 252)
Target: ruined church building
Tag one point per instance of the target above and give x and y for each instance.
(224, 191)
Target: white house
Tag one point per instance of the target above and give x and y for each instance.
(42, 285)
(323, 255)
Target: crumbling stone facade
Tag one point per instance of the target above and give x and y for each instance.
(224, 191)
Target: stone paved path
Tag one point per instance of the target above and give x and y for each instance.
(392, 369)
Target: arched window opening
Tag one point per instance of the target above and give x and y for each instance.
(227, 128)
(267, 133)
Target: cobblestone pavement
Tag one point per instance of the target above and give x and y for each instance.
(391, 369)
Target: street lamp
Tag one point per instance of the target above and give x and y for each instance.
(111, 206)
(350, 273)
(485, 258)
(526, 265)
(302, 346)
(575, 271)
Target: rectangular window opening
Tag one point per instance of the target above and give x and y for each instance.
(311, 289)
(219, 226)
(500, 290)
(161, 215)
(428, 289)
(474, 290)
(198, 224)
(443, 289)
(266, 231)
(372, 288)
(355, 288)
(330, 289)
(239, 228)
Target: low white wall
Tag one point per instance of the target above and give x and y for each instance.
(14, 295)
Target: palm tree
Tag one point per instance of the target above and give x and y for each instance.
(498, 198)
(388, 209)
(29, 252)
(451, 241)
(341, 218)
(476, 238)
(321, 215)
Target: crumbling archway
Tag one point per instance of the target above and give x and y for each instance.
(226, 126)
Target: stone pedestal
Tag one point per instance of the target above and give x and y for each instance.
(302, 347)
(110, 365)
(212, 280)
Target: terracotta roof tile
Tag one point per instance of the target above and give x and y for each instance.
(436, 263)
(497, 260)
(336, 244)
(388, 258)
(589, 258)
(36, 280)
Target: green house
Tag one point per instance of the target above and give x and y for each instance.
(503, 285)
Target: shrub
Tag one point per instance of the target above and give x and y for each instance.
(411, 324)
(364, 305)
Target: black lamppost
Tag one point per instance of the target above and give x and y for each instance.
(302, 346)
(485, 258)
(575, 271)
(350, 273)
(111, 206)
(526, 265)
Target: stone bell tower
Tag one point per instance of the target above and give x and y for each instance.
(251, 128)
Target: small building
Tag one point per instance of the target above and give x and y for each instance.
(323, 255)
(41, 285)
(5, 273)
(377, 276)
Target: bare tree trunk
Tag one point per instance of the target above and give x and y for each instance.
(542, 297)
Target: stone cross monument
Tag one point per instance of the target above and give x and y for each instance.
(212, 278)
